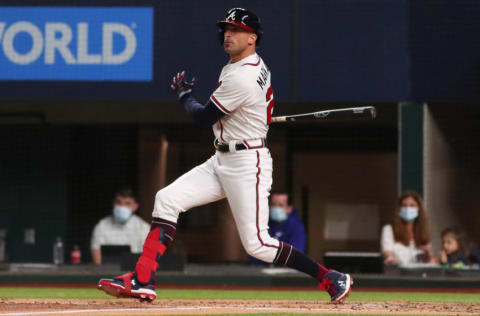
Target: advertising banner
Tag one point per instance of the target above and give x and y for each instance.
(76, 43)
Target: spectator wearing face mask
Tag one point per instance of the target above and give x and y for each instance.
(407, 240)
(285, 225)
(122, 227)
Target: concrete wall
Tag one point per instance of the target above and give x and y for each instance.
(350, 196)
(452, 172)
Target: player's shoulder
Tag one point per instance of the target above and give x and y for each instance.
(237, 80)
(252, 64)
(252, 61)
(245, 75)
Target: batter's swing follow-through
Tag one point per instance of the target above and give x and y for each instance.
(239, 111)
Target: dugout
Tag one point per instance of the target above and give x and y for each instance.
(69, 171)
(70, 167)
(71, 135)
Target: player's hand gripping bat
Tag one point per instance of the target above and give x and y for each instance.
(363, 112)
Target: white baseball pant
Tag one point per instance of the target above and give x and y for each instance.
(244, 178)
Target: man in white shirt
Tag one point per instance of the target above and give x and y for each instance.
(122, 227)
(239, 111)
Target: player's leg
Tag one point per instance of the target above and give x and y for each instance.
(247, 194)
(246, 177)
(197, 187)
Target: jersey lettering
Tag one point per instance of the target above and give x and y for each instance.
(262, 78)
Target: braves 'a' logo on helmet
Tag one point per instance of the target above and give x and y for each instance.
(231, 16)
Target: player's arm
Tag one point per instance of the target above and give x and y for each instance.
(204, 115)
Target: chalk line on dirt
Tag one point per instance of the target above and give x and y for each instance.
(163, 309)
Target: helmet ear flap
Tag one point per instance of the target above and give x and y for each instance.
(221, 36)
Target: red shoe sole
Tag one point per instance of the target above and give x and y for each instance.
(119, 291)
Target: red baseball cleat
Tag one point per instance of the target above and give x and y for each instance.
(127, 286)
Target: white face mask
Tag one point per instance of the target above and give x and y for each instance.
(121, 213)
(277, 214)
(408, 213)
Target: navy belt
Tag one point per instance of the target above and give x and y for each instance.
(225, 148)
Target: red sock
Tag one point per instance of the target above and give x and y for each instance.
(321, 272)
(158, 239)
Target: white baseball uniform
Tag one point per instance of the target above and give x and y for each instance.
(244, 177)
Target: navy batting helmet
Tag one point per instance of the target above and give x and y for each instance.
(243, 18)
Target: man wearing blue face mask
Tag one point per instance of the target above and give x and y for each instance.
(122, 227)
(284, 222)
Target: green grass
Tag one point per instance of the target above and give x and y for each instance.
(26, 292)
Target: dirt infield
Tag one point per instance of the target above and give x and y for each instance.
(253, 287)
(20, 307)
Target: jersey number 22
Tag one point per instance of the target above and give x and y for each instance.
(271, 103)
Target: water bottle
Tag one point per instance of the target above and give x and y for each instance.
(58, 251)
(75, 255)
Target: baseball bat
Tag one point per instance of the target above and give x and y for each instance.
(362, 112)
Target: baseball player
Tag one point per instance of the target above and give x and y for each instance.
(239, 111)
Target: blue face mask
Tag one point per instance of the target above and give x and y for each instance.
(277, 214)
(408, 213)
(121, 213)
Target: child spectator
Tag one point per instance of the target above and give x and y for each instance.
(456, 251)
